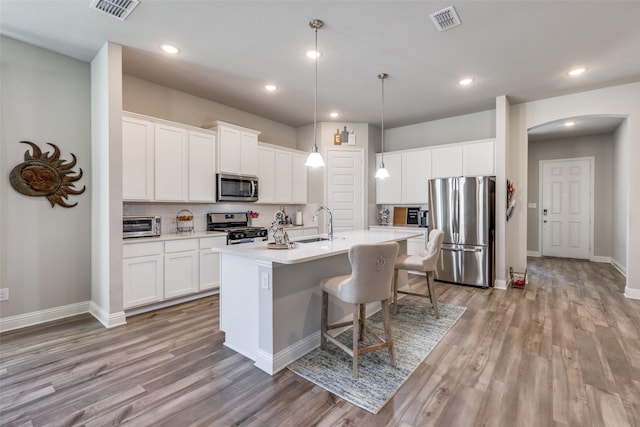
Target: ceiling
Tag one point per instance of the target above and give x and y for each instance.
(230, 49)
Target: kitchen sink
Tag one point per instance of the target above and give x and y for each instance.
(312, 239)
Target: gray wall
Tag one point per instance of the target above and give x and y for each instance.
(46, 252)
(601, 147)
(468, 127)
(143, 97)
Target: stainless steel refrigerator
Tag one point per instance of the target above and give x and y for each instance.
(464, 209)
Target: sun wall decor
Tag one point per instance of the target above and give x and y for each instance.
(42, 174)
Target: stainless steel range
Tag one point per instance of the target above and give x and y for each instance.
(236, 225)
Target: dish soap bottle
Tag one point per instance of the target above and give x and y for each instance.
(337, 138)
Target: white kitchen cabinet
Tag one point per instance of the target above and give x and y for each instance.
(142, 274)
(181, 267)
(284, 175)
(137, 159)
(416, 173)
(202, 171)
(237, 148)
(266, 174)
(389, 190)
(299, 178)
(209, 277)
(478, 158)
(446, 161)
(171, 163)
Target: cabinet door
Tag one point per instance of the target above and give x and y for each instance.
(389, 190)
(479, 158)
(229, 150)
(249, 154)
(299, 179)
(171, 163)
(446, 161)
(142, 280)
(209, 270)
(180, 273)
(284, 174)
(266, 175)
(416, 172)
(137, 159)
(202, 169)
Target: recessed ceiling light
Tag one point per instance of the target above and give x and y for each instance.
(270, 87)
(313, 54)
(167, 48)
(465, 82)
(569, 123)
(334, 115)
(577, 71)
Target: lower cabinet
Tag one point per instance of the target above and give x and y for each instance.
(143, 273)
(157, 271)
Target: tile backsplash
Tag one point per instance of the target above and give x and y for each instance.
(168, 212)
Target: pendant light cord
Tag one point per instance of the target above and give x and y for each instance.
(315, 96)
(382, 76)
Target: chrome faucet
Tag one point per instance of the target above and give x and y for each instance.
(329, 224)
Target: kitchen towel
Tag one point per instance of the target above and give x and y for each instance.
(298, 218)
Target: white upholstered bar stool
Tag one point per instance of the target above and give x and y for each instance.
(425, 262)
(370, 281)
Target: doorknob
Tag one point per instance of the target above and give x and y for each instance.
(545, 221)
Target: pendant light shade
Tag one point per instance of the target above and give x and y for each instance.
(314, 159)
(382, 172)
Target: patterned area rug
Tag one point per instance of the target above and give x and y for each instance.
(415, 333)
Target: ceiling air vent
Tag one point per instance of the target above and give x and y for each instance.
(117, 8)
(445, 18)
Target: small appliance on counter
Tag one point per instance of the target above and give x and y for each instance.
(406, 217)
(424, 219)
(140, 226)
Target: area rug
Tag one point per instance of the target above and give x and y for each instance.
(415, 333)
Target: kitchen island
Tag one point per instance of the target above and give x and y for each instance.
(270, 299)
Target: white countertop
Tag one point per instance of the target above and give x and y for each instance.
(309, 251)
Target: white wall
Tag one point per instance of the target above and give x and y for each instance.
(46, 251)
(623, 100)
(621, 183)
(143, 97)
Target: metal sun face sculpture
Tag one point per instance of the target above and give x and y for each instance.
(46, 175)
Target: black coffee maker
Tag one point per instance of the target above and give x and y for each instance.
(423, 219)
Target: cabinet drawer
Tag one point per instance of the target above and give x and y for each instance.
(181, 245)
(210, 242)
(141, 249)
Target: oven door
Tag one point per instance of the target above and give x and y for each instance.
(237, 188)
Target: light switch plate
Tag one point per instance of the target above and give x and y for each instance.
(532, 205)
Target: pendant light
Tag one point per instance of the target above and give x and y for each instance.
(314, 159)
(382, 172)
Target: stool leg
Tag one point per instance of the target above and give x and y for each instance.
(356, 321)
(395, 291)
(362, 320)
(323, 320)
(386, 320)
(432, 293)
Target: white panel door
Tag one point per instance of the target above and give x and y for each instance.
(566, 208)
(345, 189)
(171, 163)
(389, 190)
(266, 174)
(137, 159)
(202, 167)
(416, 172)
(446, 161)
(284, 172)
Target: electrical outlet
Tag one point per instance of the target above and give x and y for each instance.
(265, 281)
(4, 294)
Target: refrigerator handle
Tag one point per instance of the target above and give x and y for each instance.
(472, 250)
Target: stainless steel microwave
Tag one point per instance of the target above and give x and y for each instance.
(140, 226)
(237, 188)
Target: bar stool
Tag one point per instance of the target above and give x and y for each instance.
(370, 281)
(424, 262)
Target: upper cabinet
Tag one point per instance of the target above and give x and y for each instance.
(410, 170)
(282, 175)
(237, 150)
(478, 158)
(165, 161)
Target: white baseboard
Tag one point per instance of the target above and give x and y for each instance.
(168, 303)
(42, 316)
(619, 267)
(631, 293)
(500, 284)
(603, 259)
(535, 254)
(108, 320)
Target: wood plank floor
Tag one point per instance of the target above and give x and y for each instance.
(564, 351)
